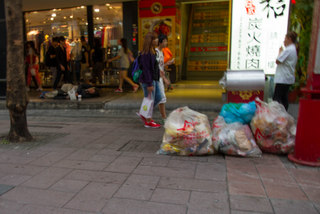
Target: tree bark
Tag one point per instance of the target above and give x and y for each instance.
(16, 95)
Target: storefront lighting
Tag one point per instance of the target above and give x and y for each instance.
(51, 18)
(82, 7)
(107, 5)
(110, 8)
(64, 26)
(97, 10)
(54, 10)
(64, 17)
(44, 22)
(33, 32)
(97, 18)
(71, 17)
(53, 14)
(87, 23)
(27, 20)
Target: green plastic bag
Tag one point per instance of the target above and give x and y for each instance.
(136, 75)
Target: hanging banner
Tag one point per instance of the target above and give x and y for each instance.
(258, 31)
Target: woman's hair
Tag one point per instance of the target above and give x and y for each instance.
(32, 46)
(147, 44)
(162, 37)
(124, 45)
(293, 36)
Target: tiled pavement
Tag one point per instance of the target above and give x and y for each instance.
(101, 164)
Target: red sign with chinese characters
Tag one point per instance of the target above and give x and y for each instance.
(243, 96)
(208, 49)
(151, 8)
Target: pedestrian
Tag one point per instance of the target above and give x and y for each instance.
(84, 58)
(63, 67)
(162, 43)
(97, 61)
(33, 66)
(285, 71)
(51, 58)
(125, 56)
(150, 76)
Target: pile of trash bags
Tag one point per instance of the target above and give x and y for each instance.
(241, 129)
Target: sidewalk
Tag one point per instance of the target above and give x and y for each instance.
(205, 97)
(100, 163)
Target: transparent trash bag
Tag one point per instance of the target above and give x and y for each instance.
(234, 139)
(187, 132)
(273, 128)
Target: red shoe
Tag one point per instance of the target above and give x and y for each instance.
(151, 124)
(118, 90)
(144, 120)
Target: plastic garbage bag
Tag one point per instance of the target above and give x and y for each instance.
(234, 139)
(273, 128)
(238, 112)
(187, 132)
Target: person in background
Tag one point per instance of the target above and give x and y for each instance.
(286, 63)
(51, 58)
(163, 42)
(84, 58)
(97, 60)
(63, 67)
(168, 67)
(76, 59)
(33, 66)
(150, 75)
(125, 56)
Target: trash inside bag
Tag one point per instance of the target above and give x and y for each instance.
(238, 112)
(273, 128)
(187, 132)
(234, 139)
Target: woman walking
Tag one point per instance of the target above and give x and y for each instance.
(125, 56)
(33, 66)
(150, 77)
(286, 63)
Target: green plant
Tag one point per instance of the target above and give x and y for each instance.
(301, 22)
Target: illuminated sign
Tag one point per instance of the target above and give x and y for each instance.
(258, 31)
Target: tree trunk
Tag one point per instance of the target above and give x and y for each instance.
(17, 100)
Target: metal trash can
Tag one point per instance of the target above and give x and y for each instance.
(243, 85)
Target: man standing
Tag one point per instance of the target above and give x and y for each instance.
(51, 58)
(84, 58)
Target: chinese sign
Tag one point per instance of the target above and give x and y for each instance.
(258, 31)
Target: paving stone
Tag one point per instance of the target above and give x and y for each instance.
(306, 177)
(236, 176)
(158, 161)
(210, 171)
(170, 196)
(282, 206)
(208, 203)
(50, 158)
(5, 188)
(20, 169)
(138, 187)
(14, 179)
(250, 203)
(47, 178)
(129, 206)
(193, 184)
(273, 174)
(250, 189)
(313, 193)
(80, 164)
(97, 176)
(38, 196)
(38, 209)
(182, 164)
(93, 197)
(284, 191)
(9, 207)
(123, 164)
(72, 186)
(165, 171)
(83, 154)
(246, 212)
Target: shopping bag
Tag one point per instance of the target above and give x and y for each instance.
(146, 108)
(33, 71)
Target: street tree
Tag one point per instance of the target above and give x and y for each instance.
(17, 99)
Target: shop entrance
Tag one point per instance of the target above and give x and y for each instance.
(206, 52)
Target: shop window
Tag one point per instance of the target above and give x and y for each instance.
(43, 25)
(108, 21)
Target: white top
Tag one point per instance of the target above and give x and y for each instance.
(124, 60)
(160, 59)
(285, 70)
